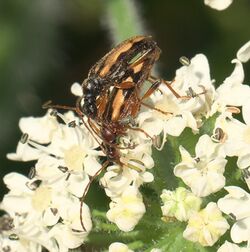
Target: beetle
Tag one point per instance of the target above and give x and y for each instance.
(125, 66)
(111, 96)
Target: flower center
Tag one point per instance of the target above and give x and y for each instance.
(129, 199)
(41, 198)
(74, 158)
(246, 135)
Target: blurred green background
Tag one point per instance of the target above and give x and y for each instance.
(47, 45)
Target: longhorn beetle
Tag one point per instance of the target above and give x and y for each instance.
(111, 96)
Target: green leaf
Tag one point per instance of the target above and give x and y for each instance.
(172, 240)
(208, 125)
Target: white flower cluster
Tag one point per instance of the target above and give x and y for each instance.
(203, 173)
(44, 209)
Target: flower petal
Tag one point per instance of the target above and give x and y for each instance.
(236, 202)
(244, 53)
(24, 152)
(50, 217)
(91, 165)
(237, 76)
(246, 111)
(240, 230)
(39, 129)
(231, 247)
(16, 183)
(218, 4)
(243, 161)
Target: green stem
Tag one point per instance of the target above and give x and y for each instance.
(123, 19)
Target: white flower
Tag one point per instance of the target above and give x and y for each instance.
(68, 208)
(40, 129)
(206, 226)
(69, 156)
(204, 173)
(36, 209)
(180, 203)
(71, 147)
(126, 210)
(116, 180)
(119, 247)
(237, 141)
(237, 204)
(66, 237)
(24, 152)
(137, 161)
(218, 4)
(27, 222)
(194, 78)
(156, 250)
(231, 247)
(232, 92)
(243, 53)
(20, 245)
(48, 169)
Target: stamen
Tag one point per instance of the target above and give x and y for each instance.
(13, 237)
(219, 135)
(61, 116)
(163, 141)
(54, 210)
(53, 112)
(72, 124)
(33, 185)
(246, 173)
(157, 142)
(6, 248)
(67, 178)
(191, 92)
(184, 61)
(37, 146)
(232, 216)
(6, 223)
(233, 110)
(63, 168)
(32, 173)
(47, 104)
(24, 138)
